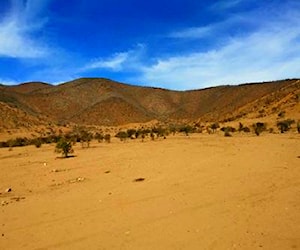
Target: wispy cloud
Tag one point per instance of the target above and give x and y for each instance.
(19, 29)
(270, 51)
(114, 62)
(130, 59)
(194, 32)
(8, 81)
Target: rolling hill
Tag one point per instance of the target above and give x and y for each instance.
(99, 101)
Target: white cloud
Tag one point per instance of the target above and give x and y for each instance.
(270, 52)
(130, 59)
(195, 32)
(260, 56)
(8, 81)
(18, 30)
(114, 63)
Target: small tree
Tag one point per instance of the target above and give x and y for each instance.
(37, 142)
(122, 135)
(152, 136)
(64, 147)
(285, 125)
(187, 129)
(259, 127)
(172, 129)
(227, 131)
(85, 138)
(107, 138)
(131, 133)
(99, 137)
(214, 126)
(159, 131)
(241, 127)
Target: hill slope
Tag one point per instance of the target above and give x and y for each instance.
(101, 101)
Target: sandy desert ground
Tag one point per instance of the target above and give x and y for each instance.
(198, 192)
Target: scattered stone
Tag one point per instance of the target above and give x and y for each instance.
(17, 198)
(58, 170)
(79, 179)
(4, 203)
(107, 172)
(139, 179)
(45, 164)
(8, 190)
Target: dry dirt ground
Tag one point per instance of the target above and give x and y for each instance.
(198, 192)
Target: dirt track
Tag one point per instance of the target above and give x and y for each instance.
(201, 192)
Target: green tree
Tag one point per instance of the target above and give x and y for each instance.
(107, 138)
(122, 135)
(99, 137)
(259, 127)
(187, 129)
(131, 133)
(214, 126)
(227, 131)
(241, 127)
(285, 125)
(64, 147)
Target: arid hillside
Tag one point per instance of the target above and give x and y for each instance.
(98, 101)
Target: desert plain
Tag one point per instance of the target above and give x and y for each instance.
(185, 192)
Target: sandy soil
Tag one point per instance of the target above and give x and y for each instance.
(198, 192)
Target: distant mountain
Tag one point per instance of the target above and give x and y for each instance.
(29, 87)
(98, 101)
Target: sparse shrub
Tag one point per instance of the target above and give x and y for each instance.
(152, 136)
(228, 129)
(241, 127)
(142, 133)
(259, 127)
(159, 131)
(214, 127)
(37, 142)
(122, 135)
(246, 130)
(11, 144)
(99, 137)
(3, 144)
(281, 114)
(187, 129)
(107, 138)
(85, 138)
(298, 126)
(227, 134)
(131, 133)
(271, 130)
(285, 125)
(172, 129)
(64, 147)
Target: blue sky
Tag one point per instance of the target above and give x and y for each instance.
(178, 44)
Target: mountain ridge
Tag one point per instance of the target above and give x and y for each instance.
(101, 101)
